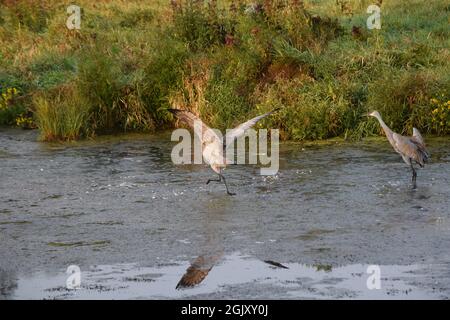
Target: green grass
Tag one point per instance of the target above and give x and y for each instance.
(131, 60)
(61, 114)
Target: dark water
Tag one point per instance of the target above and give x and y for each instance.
(133, 222)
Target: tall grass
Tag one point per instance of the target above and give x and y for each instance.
(61, 115)
(226, 61)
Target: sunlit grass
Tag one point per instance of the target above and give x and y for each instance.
(62, 115)
(133, 59)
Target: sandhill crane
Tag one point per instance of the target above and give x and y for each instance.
(410, 148)
(213, 148)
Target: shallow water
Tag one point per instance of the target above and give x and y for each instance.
(133, 222)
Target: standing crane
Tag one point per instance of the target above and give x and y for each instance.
(412, 149)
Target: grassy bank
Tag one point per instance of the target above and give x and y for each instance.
(225, 61)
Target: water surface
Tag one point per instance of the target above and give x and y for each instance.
(133, 222)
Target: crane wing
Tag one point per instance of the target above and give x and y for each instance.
(240, 130)
(206, 134)
(409, 148)
(420, 142)
(418, 137)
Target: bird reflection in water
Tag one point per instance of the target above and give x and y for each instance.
(215, 212)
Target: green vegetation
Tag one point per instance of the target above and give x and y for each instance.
(226, 61)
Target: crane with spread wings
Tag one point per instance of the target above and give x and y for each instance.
(213, 148)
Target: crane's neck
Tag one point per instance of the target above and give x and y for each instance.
(386, 129)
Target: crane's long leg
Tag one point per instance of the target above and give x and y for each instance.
(225, 182)
(414, 177)
(213, 180)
